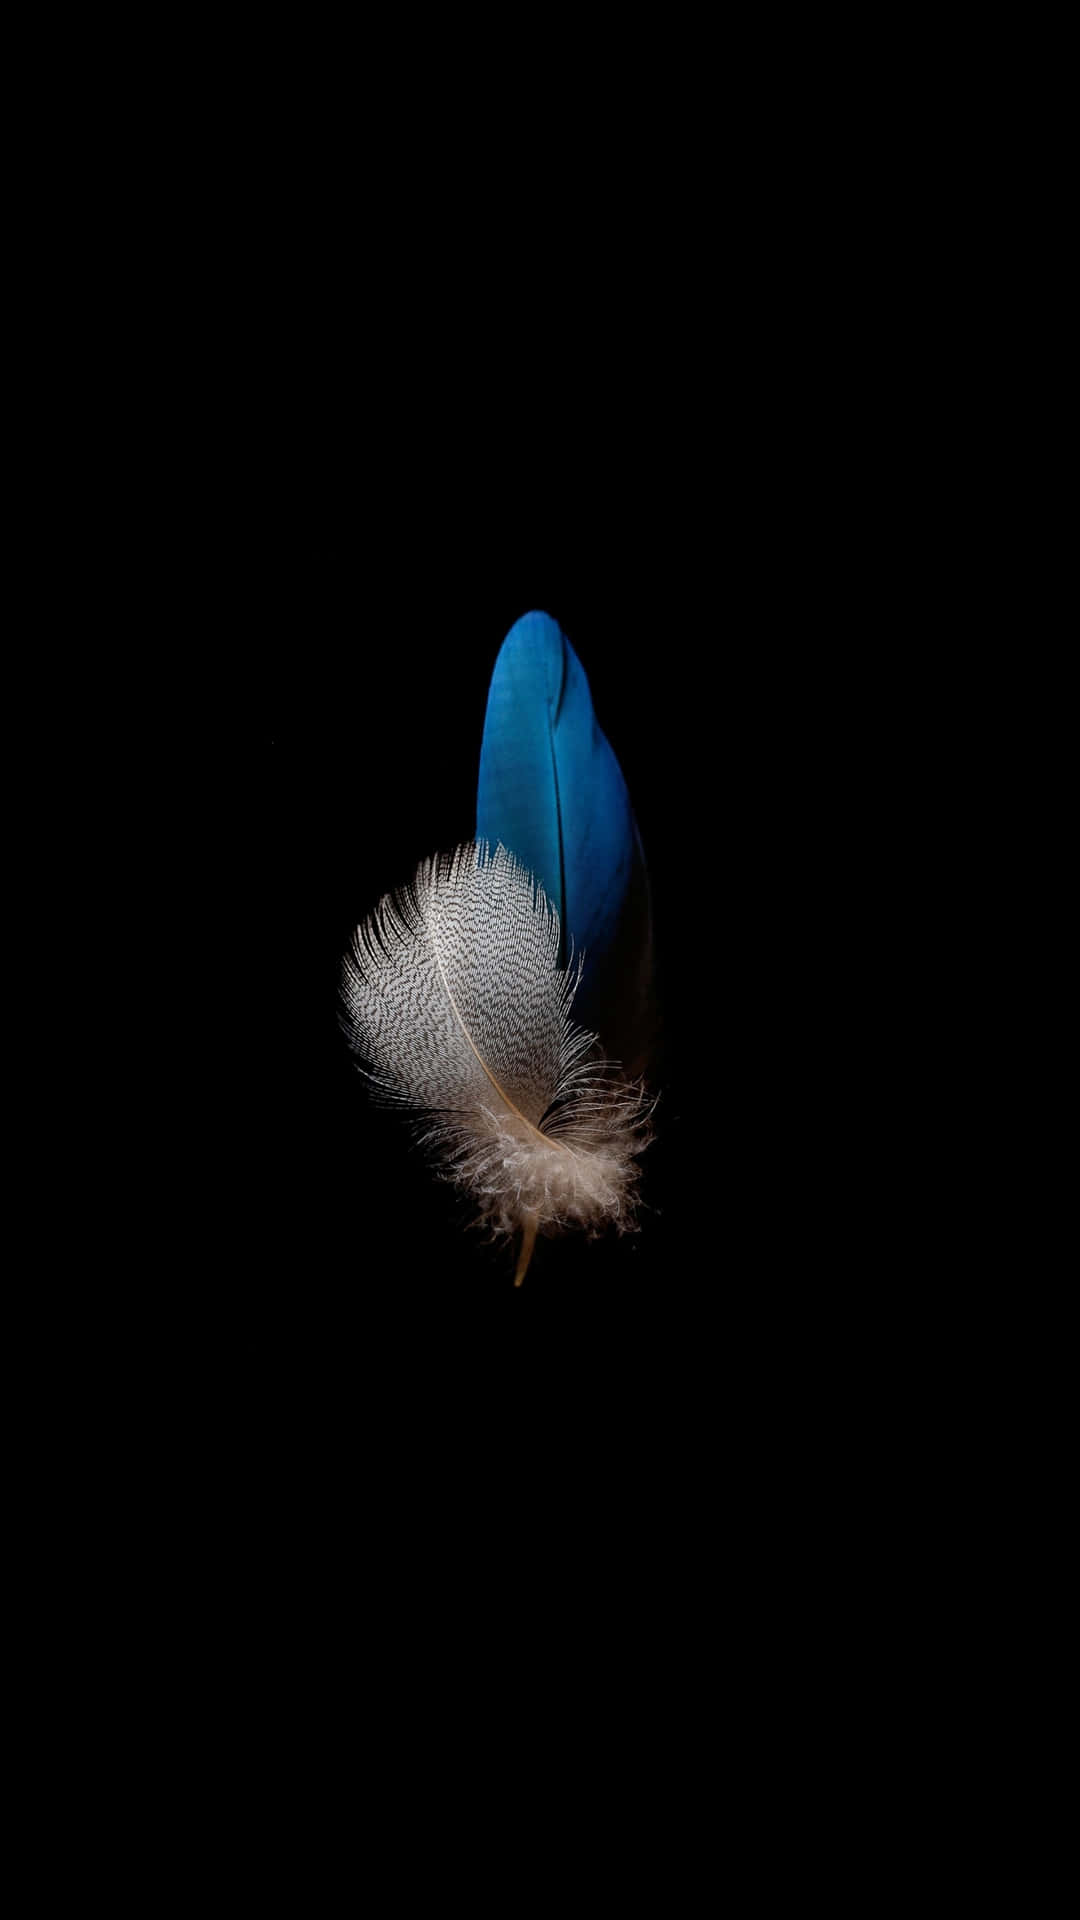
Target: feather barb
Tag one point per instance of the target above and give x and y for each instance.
(453, 997)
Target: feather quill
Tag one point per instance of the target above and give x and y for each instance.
(454, 997)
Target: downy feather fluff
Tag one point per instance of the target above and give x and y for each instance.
(454, 996)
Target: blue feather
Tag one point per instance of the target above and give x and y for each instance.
(551, 790)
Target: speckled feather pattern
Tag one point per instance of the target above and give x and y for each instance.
(453, 997)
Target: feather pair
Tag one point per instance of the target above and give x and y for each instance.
(457, 990)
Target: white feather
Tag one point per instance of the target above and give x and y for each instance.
(453, 995)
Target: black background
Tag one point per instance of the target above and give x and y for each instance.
(364, 1372)
(374, 1443)
(356, 546)
(366, 756)
(368, 686)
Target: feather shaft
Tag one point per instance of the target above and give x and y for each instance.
(501, 1091)
(528, 1242)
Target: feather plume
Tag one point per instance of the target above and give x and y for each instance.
(551, 789)
(454, 997)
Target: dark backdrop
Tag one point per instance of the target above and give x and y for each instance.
(365, 758)
(362, 576)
